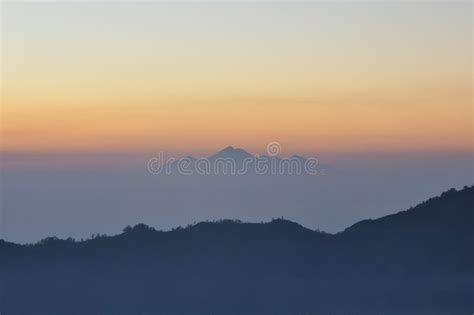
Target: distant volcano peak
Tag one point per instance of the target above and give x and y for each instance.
(231, 152)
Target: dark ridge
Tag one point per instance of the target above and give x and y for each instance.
(418, 261)
(448, 207)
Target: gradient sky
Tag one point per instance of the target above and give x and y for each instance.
(314, 76)
(382, 92)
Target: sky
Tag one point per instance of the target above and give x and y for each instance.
(379, 91)
(326, 77)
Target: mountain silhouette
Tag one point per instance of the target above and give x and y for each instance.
(230, 152)
(418, 261)
(237, 161)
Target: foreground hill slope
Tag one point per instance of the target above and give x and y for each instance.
(418, 261)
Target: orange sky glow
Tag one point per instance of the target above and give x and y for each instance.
(312, 76)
